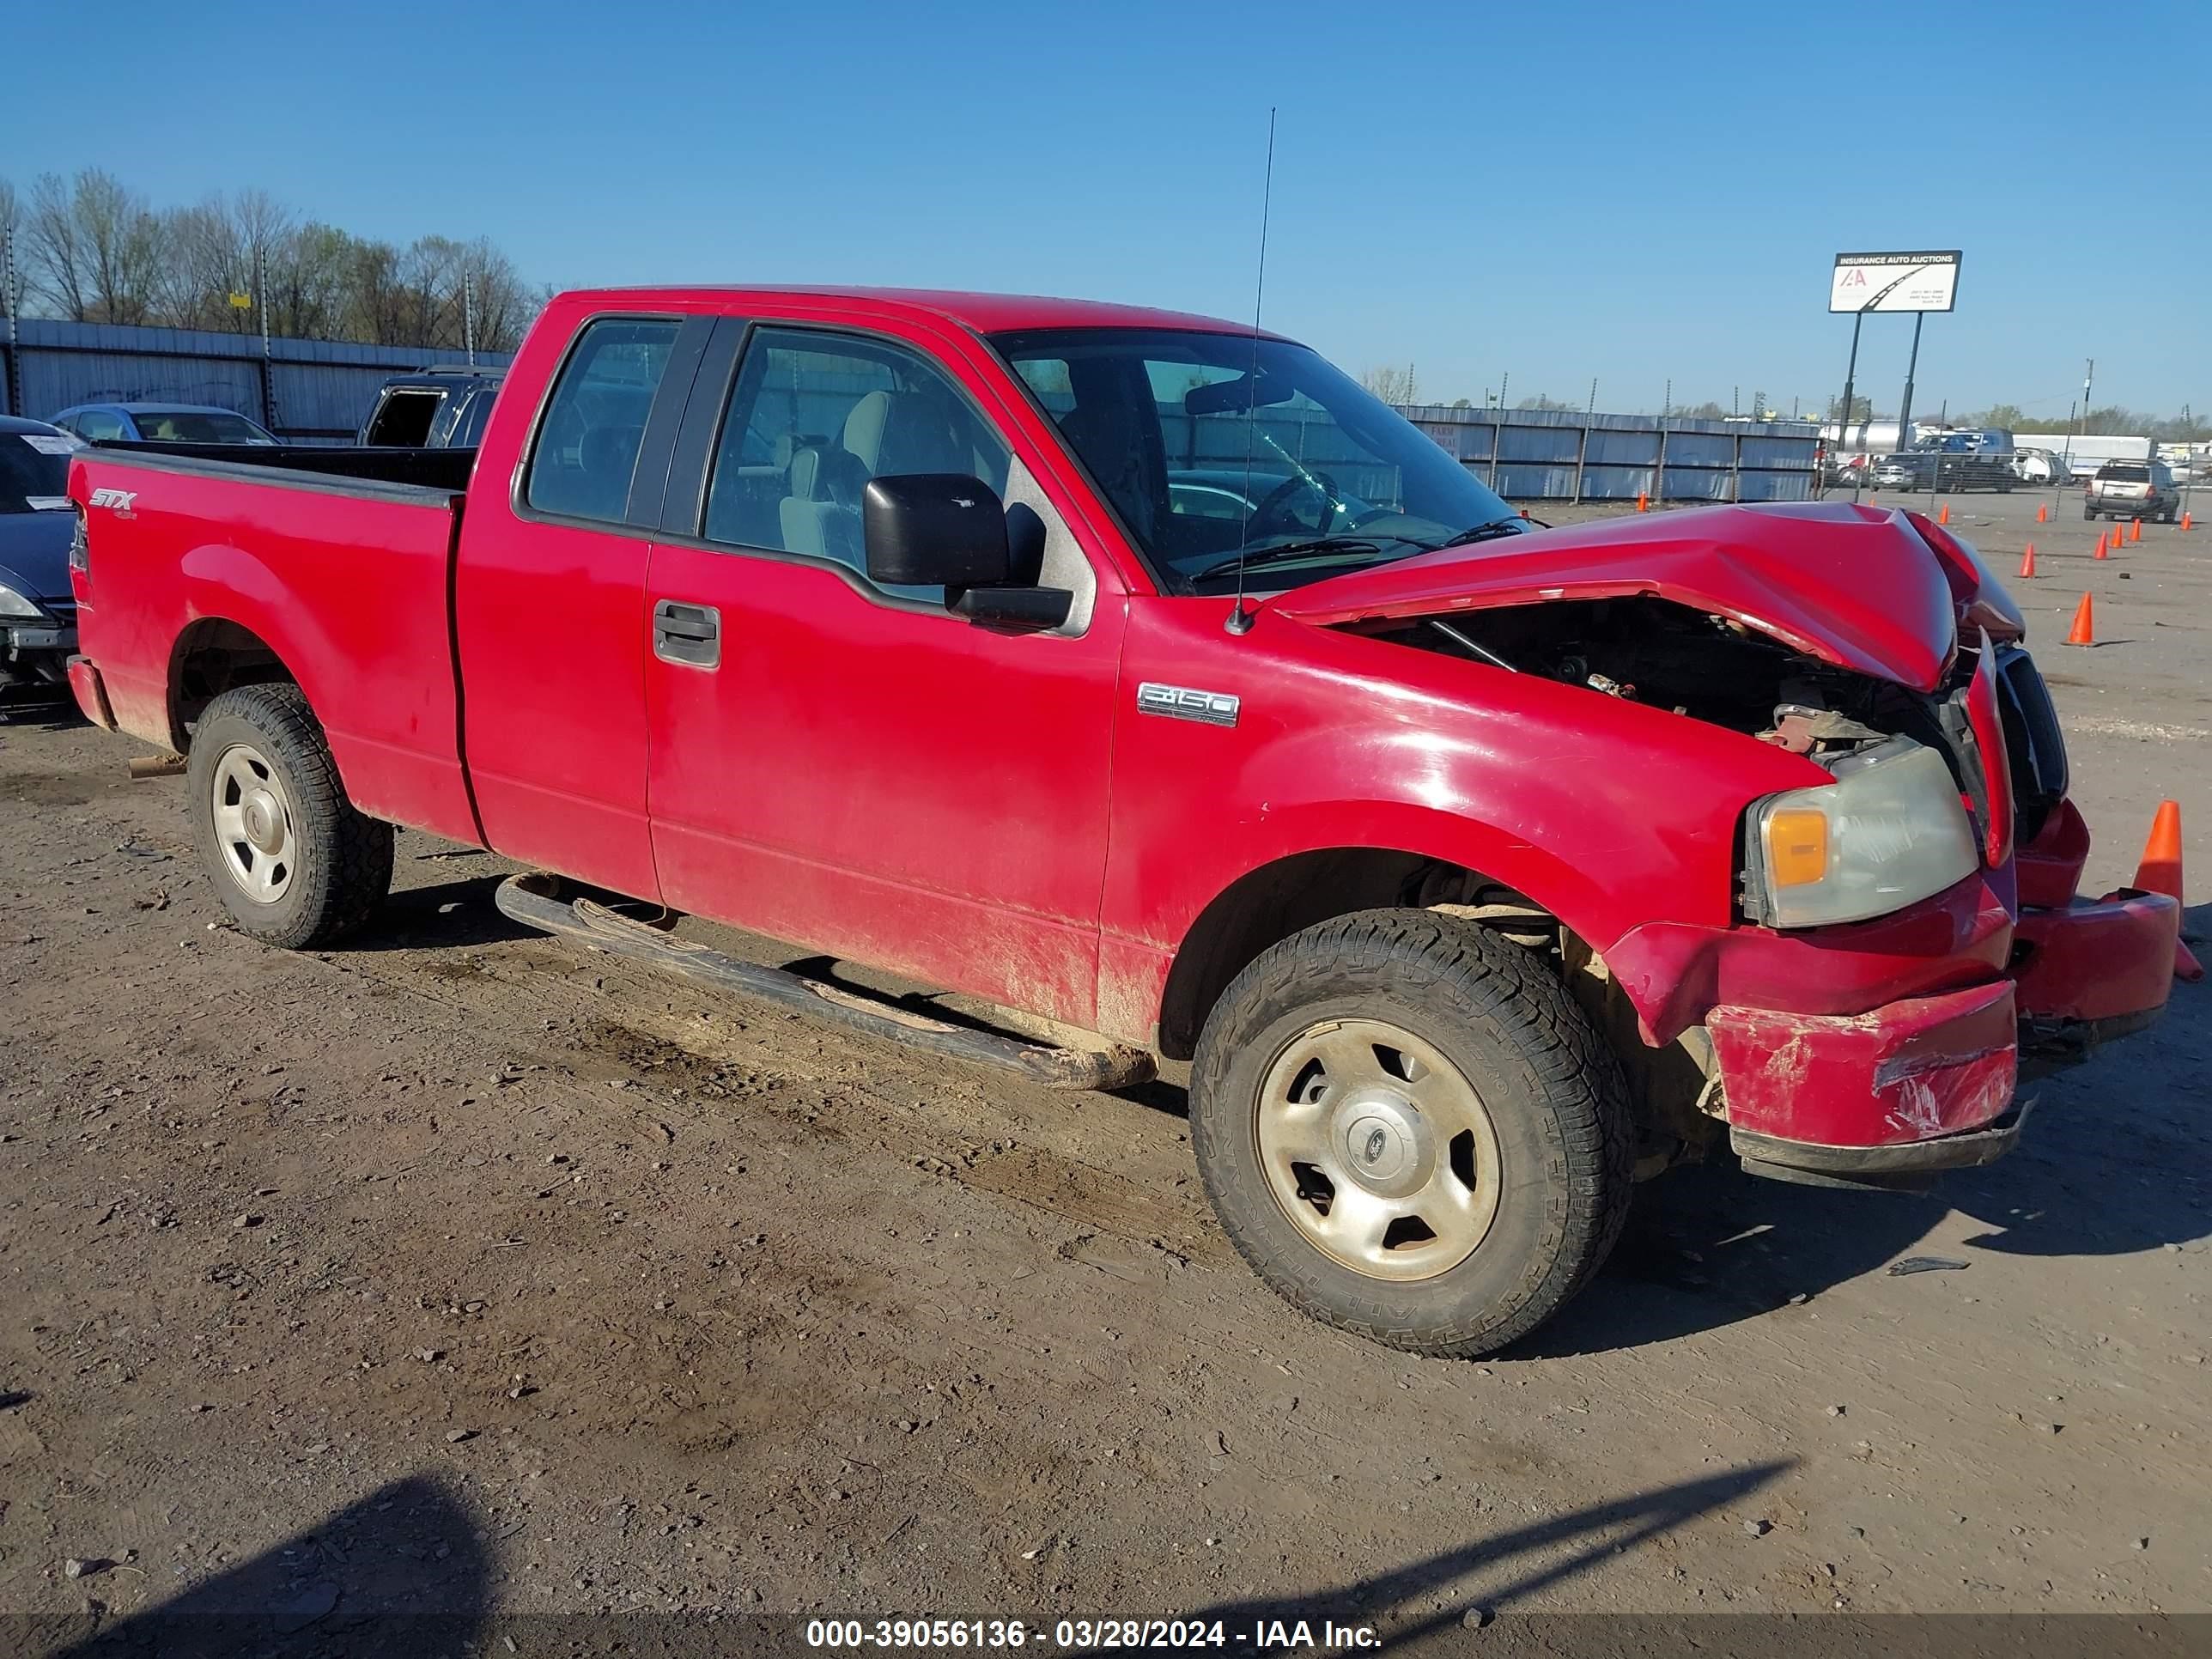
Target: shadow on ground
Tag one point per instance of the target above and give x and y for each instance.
(2112, 1162)
(448, 913)
(1589, 1534)
(401, 1570)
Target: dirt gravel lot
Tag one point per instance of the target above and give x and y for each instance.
(465, 1271)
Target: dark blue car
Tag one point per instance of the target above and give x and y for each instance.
(38, 613)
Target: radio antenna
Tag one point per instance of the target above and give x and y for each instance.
(1240, 619)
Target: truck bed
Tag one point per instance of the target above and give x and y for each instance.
(338, 563)
(430, 469)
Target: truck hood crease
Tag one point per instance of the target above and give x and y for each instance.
(1849, 584)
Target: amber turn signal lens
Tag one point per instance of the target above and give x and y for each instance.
(1796, 847)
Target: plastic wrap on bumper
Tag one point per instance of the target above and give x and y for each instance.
(1916, 1070)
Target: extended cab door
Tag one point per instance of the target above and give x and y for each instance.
(548, 599)
(848, 766)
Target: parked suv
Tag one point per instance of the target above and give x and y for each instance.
(2132, 490)
(442, 407)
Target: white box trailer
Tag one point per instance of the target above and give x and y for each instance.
(2086, 453)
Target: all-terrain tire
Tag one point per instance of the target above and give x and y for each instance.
(339, 861)
(1552, 1092)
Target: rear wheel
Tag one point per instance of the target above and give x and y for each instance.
(290, 858)
(1410, 1132)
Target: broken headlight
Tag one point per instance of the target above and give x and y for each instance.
(1889, 831)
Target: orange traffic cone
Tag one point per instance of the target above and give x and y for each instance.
(2043, 513)
(1643, 500)
(2081, 633)
(2161, 872)
(2135, 531)
(2185, 521)
(2028, 561)
(2100, 553)
(1943, 513)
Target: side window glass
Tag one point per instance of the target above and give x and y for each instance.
(814, 417)
(587, 445)
(96, 426)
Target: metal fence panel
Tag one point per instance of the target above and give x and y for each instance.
(1608, 456)
(320, 389)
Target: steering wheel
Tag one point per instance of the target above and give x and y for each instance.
(1274, 506)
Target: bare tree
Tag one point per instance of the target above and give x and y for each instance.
(1391, 385)
(53, 260)
(119, 245)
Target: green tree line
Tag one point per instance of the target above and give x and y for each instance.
(89, 249)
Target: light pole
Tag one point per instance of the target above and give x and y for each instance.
(2089, 375)
(1851, 381)
(1911, 363)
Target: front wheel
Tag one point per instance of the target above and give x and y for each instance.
(1410, 1131)
(289, 856)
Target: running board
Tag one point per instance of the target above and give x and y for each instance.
(525, 899)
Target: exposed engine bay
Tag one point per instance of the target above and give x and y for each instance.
(1672, 656)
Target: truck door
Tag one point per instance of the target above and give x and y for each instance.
(549, 603)
(850, 766)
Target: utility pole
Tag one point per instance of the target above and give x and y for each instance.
(13, 390)
(1936, 458)
(268, 364)
(2188, 456)
(468, 330)
(2088, 376)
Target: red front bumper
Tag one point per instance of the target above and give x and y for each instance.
(1907, 1075)
(1926, 1082)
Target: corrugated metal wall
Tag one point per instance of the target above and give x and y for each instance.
(319, 389)
(1563, 455)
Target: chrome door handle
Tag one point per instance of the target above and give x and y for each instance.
(690, 635)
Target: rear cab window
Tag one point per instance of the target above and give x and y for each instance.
(584, 458)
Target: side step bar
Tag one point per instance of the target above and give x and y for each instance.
(526, 899)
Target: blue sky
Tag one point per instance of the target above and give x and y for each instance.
(1628, 191)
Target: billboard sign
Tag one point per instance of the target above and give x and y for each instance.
(1894, 281)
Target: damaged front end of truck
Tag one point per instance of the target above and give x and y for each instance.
(1906, 938)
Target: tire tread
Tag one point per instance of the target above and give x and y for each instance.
(350, 881)
(1451, 966)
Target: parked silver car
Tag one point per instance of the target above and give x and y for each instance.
(2132, 490)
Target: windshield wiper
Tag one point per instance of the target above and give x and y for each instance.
(1283, 550)
(1489, 531)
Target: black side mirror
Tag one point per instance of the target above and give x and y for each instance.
(935, 529)
(943, 529)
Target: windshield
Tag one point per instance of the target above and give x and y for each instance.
(197, 427)
(33, 472)
(2125, 474)
(1297, 468)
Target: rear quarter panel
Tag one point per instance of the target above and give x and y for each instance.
(348, 587)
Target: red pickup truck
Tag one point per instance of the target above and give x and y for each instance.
(1141, 676)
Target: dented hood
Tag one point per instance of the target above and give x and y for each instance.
(1851, 584)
